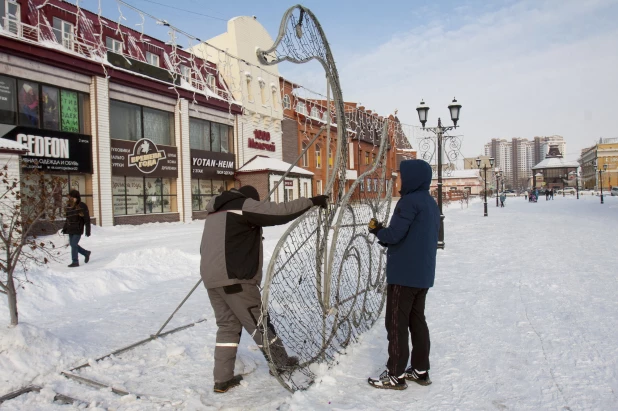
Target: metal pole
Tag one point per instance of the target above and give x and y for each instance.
(564, 185)
(601, 180)
(485, 204)
(441, 231)
(326, 271)
(577, 183)
(497, 185)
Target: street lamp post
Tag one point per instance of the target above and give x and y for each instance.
(565, 179)
(497, 186)
(478, 165)
(439, 131)
(601, 178)
(576, 182)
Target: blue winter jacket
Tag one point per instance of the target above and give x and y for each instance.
(412, 235)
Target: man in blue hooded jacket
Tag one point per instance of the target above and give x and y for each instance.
(412, 239)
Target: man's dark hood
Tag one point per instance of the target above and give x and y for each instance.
(415, 176)
(227, 200)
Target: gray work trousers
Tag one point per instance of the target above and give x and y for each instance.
(237, 307)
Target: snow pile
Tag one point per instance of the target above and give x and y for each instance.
(28, 353)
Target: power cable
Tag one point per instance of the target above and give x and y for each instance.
(185, 10)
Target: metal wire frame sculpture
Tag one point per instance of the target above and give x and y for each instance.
(324, 285)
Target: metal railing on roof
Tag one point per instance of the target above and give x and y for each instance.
(87, 49)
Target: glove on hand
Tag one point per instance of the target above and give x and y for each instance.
(321, 201)
(87, 234)
(374, 226)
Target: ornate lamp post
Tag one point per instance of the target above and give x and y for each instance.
(498, 175)
(478, 165)
(454, 109)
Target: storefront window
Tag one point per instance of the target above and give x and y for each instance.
(28, 103)
(43, 106)
(70, 111)
(50, 108)
(140, 195)
(199, 133)
(209, 136)
(125, 121)
(133, 122)
(159, 126)
(68, 182)
(203, 190)
(7, 100)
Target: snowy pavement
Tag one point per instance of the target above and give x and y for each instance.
(522, 316)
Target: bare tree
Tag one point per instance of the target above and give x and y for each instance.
(27, 210)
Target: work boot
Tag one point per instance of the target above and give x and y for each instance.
(73, 265)
(87, 257)
(221, 387)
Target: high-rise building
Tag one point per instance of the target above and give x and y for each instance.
(516, 158)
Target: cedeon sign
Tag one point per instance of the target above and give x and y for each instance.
(53, 150)
(212, 165)
(50, 147)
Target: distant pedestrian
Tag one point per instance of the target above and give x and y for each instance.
(412, 239)
(551, 193)
(526, 195)
(547, 194)
(77, 219)
(502, 199)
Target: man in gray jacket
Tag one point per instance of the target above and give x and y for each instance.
(231, 268)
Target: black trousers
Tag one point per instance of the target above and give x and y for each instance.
(405, 315)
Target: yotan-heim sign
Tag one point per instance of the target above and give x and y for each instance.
(212, 166)
(143, 158)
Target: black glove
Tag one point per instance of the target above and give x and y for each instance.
(382, 244)
(321, 201)
(374, 226)
(87, 234)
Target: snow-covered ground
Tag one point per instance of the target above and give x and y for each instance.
(522, 316)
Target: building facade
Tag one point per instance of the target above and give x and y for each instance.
(253, 85)
(107, 109)
(605, 152)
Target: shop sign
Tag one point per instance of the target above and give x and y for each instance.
(261, 141)
(143, 158)
(289, 183)
(212, 165)
(50, 150)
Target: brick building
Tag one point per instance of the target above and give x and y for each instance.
(106, 108)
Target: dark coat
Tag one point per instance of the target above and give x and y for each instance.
(77, 218)
(231, 249)
(412, 235)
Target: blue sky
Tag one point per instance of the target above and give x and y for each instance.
(520, 68)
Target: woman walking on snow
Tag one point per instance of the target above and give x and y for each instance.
(77, 218)
(502, 199)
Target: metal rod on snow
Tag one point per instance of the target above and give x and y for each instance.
(178, 308)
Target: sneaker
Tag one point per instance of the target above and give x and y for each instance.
(87, 257)
(221, 387)
(389, 382)
(419, 377)
(73, 265)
